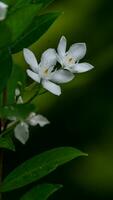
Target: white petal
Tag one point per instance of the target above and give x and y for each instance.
(38, 119)
(20, 100)
(60, 60)
(81, 67)
(61, 76)
(3, 10)
(33, 75)
(78, 50)
(30, 118)
(62, 46)
(17, 92)
(21, 132)
(51, 87)
(31, 60)
(49, 58)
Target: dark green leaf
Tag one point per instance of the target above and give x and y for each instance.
(20, 111)
(37, 28)
(38, 167)
(41, 192)
(8, 2)
(20, 20)
(5, 67)
(44, 3)
(7, 143)
(18, 4)
(5, 35)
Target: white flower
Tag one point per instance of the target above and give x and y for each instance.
(21, 131)
(18, 97)
(70, 59)
(3, 10)
(44, 72)
(17, 92)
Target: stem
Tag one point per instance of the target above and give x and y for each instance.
(36, 94)
(2, 127)
(5, 97)
(1, 161)
(1, 169)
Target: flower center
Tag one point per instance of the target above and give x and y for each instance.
(70, 60)
(46, 72)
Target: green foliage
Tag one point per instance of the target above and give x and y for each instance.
(41, 192)
(7, 143)
(20, 111)
(38, 167)
(8, 2)
(36, 29)
(5, 67)
(18, 4)
(5, 35)
(20, 20)
(44, 3)
(16, 80)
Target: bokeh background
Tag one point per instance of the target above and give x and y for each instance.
(82, 116)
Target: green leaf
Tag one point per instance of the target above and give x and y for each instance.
(19, 3)
(5, 67)
(20, 20)
(5, 35)
(44, 3)
(7, 143)
(8, 2)
(20, 111)
(38, 167)
(41, 192)
(37, 28)
(17, 77)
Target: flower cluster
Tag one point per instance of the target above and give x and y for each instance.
(46, 72)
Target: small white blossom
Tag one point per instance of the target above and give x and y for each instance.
(21, 131)
(3, 10)
(18, 97)
(70, 59)
(34, 120)
(44, 72)
(17, 92)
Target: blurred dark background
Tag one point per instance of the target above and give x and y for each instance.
(82, 116)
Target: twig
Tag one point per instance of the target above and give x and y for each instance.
(2, 127)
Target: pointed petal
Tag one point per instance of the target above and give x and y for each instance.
(17, 92)
(49, 58)
(62, 46)
(61, 76)
(81, 67)
(31, 119)
(60, 60)
(21, 132)
(38, 119)
(33, 75)
(20, 100)
(3, 10)
(78, 50)
(31, 60)
(51, 87)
